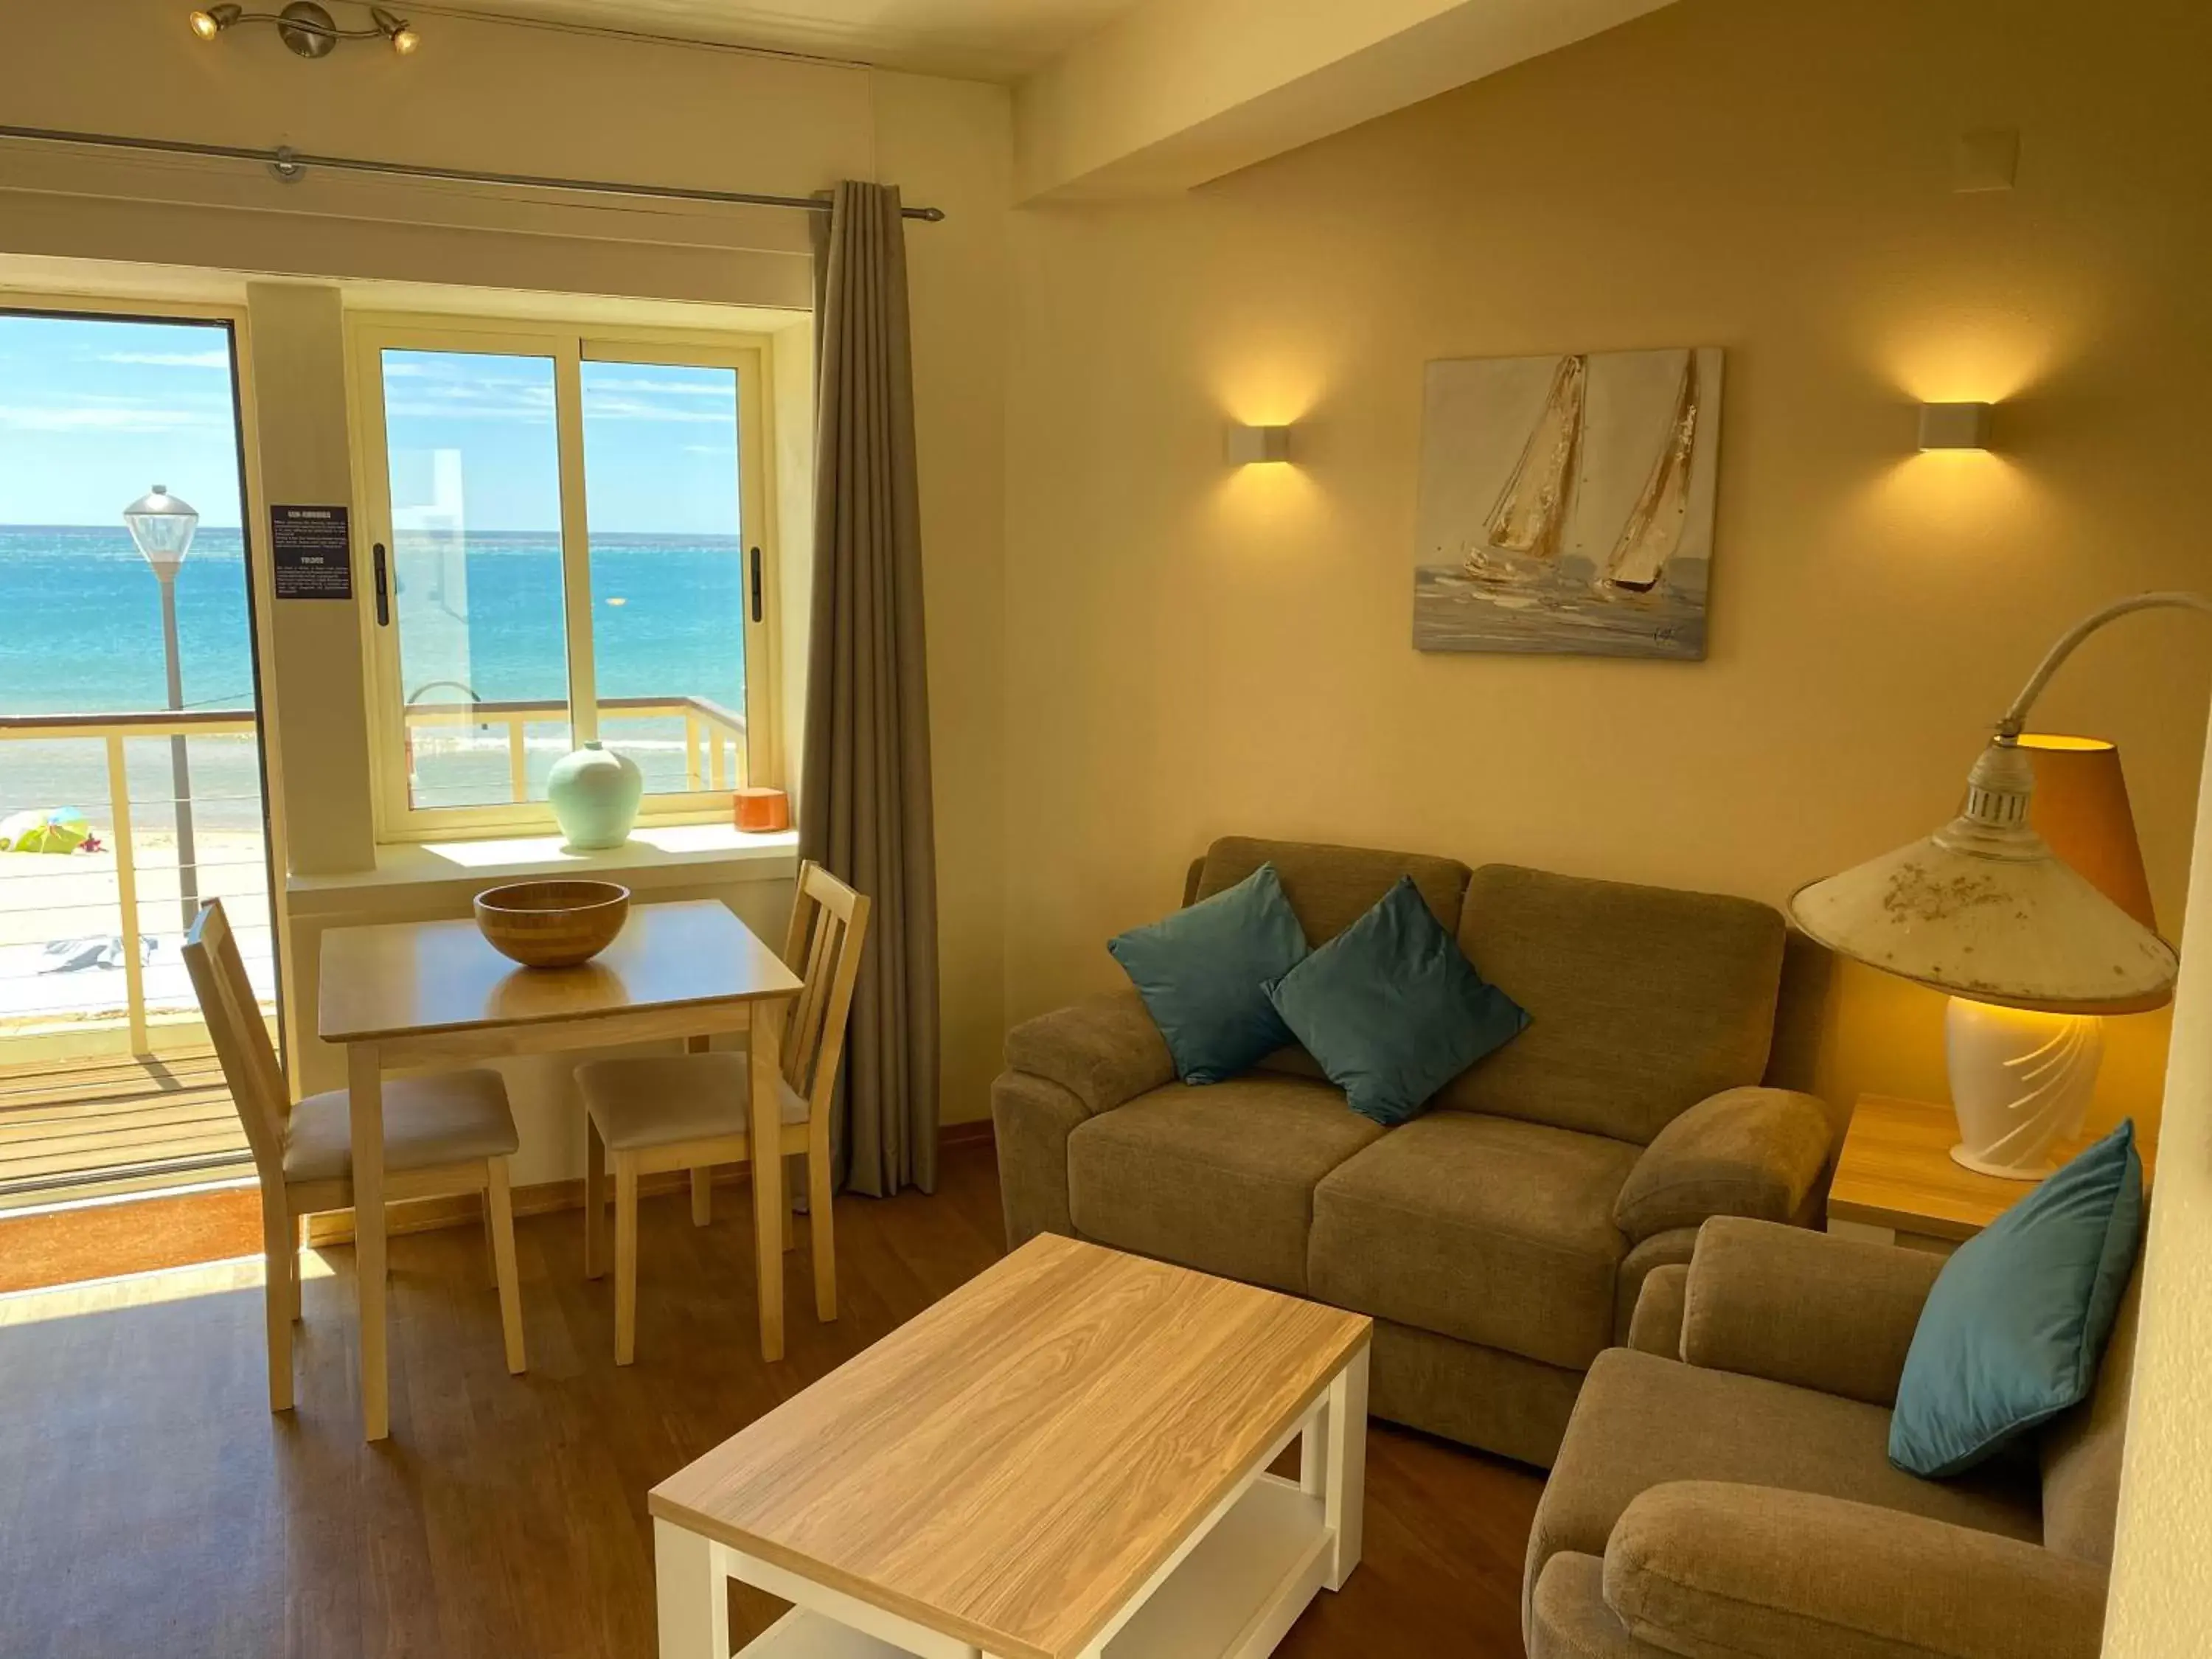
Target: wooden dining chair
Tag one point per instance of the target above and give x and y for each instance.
(665, 1112)
(452, 1133)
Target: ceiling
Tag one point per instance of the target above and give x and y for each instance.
(983, 39)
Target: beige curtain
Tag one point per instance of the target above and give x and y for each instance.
(864, 795)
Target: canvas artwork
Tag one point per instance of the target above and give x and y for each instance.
(1567, 503)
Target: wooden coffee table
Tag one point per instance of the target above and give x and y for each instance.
(1066, 1456)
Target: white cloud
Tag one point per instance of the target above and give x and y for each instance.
(168, 359)
(599, 407)
(432, 410)
(520, 401)
(725, 388)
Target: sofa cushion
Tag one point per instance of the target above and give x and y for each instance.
(1641, 1000)
(1480, 1227)
(1219, 1179)
(1642, 1420)
(1391, 1009)
(1330, 888)
(2013, 1330)
(1204, 973)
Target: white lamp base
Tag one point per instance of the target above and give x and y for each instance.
(2021, 1083)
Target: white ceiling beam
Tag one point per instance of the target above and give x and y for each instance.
(1178, 92)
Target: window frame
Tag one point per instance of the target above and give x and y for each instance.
(569, 345)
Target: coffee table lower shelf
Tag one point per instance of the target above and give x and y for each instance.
(1234, 1597)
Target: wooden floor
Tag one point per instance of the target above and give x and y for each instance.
(67, 1125)
(150, 1503)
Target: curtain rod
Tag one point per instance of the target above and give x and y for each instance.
(291, 165)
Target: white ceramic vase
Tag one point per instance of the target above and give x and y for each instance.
(594, 793)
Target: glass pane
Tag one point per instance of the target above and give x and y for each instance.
(476, 530)
(668, 570)
(123, 563)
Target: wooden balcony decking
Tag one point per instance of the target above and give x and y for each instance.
(73, 1127)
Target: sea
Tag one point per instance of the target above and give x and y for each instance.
(1565, 616)
(81, 633)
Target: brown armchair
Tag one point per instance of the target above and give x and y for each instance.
(1725, 1485)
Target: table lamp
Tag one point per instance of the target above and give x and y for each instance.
(2036, 930)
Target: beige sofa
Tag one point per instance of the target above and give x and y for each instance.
(1725, 1486)
(1500, 1240)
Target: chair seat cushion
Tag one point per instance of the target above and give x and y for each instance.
(1642, 1421)
(659, 1100)
(447, 1117)
(1486, 1229)
(1219, 1179)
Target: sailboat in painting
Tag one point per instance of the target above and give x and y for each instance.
(1526, 527)
(1653, 530)
(1567, 503)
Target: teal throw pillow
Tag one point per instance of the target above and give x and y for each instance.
(1392, 1010)
(1204, 970)
(2015, 1327)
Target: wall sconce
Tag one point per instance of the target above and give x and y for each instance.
(308, 29)
(1954, 426)
(1249, 444)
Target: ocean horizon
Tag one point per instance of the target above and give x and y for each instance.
(81, 633)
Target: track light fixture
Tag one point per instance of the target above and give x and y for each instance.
(307, 28)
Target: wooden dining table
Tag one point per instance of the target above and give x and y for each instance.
(419, 995)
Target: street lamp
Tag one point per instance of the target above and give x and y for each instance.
(162, 526)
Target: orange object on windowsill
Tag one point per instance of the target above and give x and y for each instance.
(763, 811)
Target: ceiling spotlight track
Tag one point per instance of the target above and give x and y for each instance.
(308, 28)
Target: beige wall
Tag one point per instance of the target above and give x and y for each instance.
(2159, 1606)
(1194, 651)
(547, 102)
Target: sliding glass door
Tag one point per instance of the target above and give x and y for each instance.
(130, 764)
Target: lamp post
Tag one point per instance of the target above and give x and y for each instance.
(163, 527)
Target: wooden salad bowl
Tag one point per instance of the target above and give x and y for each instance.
(552, 924)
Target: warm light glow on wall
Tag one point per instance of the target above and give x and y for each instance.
(1271, 505)
(1960, 354)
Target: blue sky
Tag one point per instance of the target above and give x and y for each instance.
(94, 412)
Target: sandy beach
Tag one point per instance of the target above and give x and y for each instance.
(61, 919)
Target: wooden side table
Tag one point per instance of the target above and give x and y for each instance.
(1897, 1183)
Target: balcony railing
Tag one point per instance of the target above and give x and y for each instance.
(713, 742)
(48, 901)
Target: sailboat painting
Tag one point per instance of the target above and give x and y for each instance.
(1566, 503)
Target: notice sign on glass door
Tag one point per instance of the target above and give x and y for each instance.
(309, 552)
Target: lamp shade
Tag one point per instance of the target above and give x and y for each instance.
(162, 526)
(2081, 812)
(1984, 909)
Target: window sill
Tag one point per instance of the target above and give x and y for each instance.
(662, 855)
